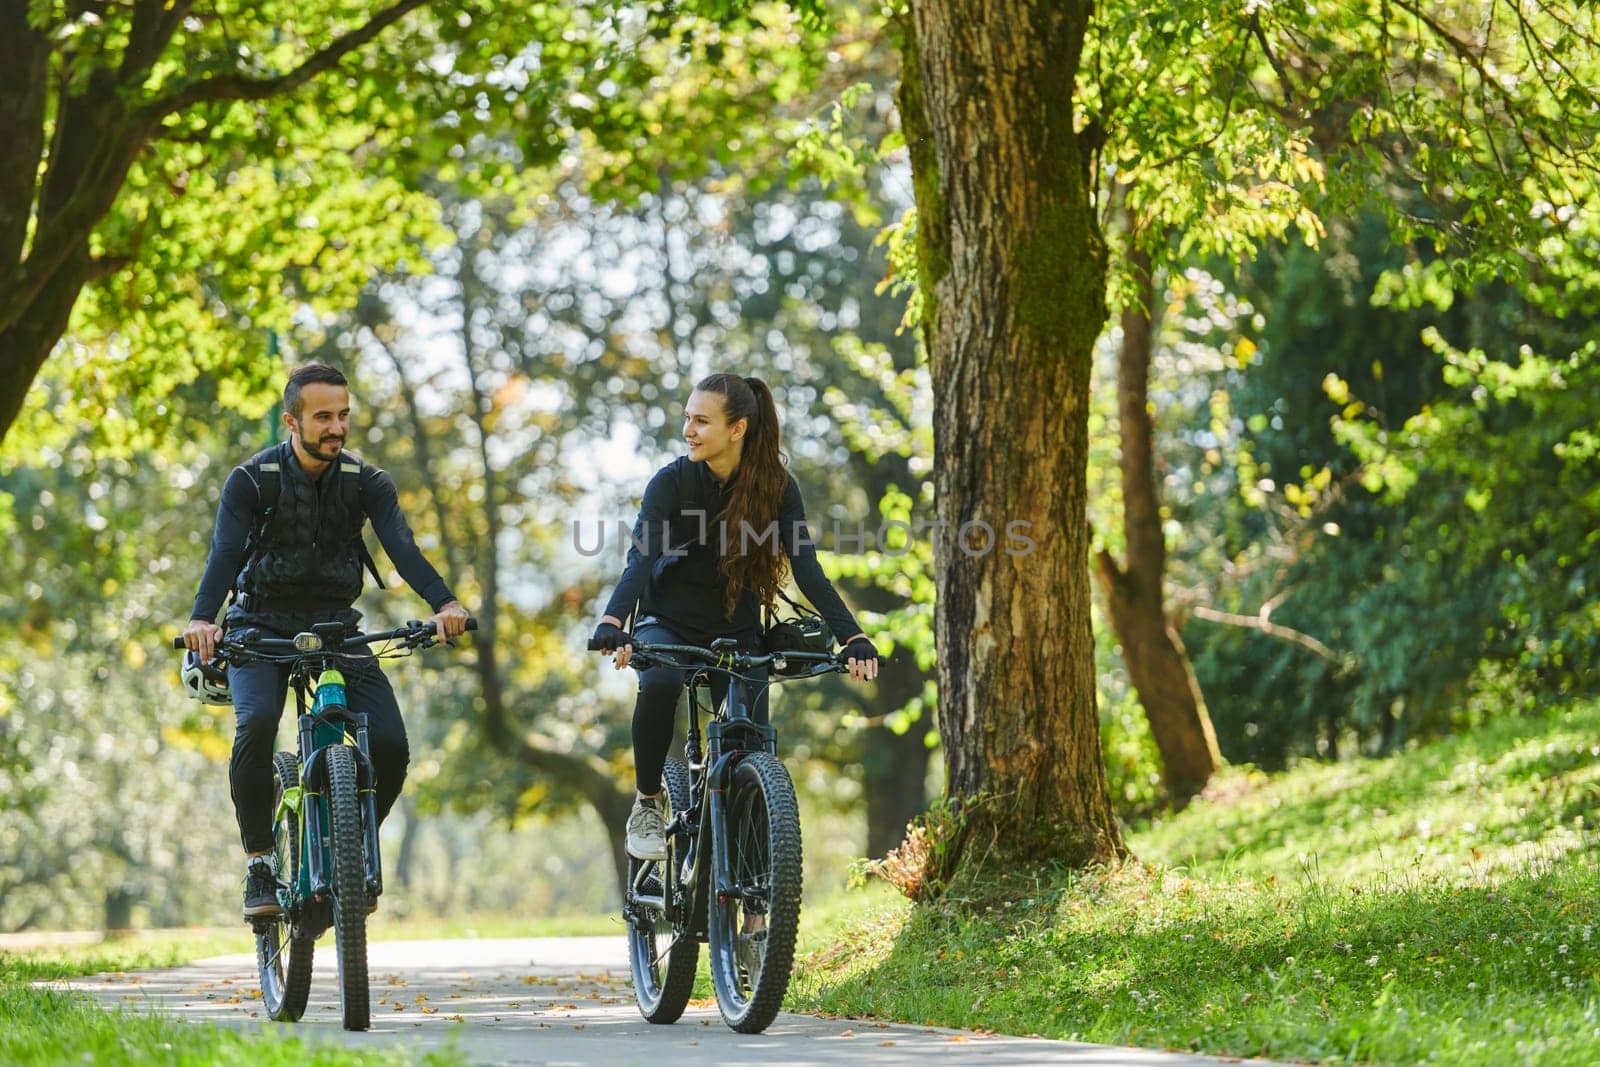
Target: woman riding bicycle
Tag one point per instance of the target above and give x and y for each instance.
(717, 531)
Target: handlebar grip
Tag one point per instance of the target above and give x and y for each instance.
(177, 642)
(594, 645)
(472, 624)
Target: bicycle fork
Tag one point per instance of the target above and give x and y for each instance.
(318, 736)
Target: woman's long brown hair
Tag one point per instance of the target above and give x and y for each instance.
(755, 492)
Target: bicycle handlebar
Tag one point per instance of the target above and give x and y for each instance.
(413, 631)
(644, 654)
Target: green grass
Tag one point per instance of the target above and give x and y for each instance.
(45, 1026)
(135, 952)
(1436, 907)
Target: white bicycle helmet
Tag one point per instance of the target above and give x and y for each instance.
(206, 682)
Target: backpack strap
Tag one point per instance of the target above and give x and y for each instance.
(801, 610)
(350, 471)
(267, 477)
(689, 498)
(267, 487)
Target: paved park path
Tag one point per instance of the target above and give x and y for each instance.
(566, 1000)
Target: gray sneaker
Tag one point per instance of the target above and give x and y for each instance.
(645, 838)
(261, 889)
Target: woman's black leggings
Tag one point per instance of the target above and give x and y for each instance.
(655, 714)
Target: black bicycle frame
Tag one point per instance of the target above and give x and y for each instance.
(729, 738)
(319, 729)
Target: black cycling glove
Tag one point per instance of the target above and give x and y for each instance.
(860, 649)
(609, 637)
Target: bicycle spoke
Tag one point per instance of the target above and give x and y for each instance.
(272, 959)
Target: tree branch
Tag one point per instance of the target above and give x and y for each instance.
(422, 451)
(64, 229)
(102, 266)
(24, 90)
(1272, 629)
(1486, 79)
(237, 87)
(153, 26)
(1290, 91)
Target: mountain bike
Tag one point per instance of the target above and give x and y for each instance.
(732, 873)
(325, 822)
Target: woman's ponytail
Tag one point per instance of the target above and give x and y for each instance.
(755, 494)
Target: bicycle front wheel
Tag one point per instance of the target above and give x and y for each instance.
(283, 956)
(754, 919)
(348, 845)
(662, 947)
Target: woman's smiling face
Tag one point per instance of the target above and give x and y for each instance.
(706, 428)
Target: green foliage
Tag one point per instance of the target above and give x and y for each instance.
(902, 562)
(1404, 613)
(246, 216)
(108, 824)
(1426, 907)
(1500, 475)
(102, 762)
(1192, 146)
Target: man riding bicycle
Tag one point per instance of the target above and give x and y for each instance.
(288, 545)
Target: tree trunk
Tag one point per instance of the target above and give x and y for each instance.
(1151, 648)
(96, 141)
(406, 853)
(24, 92)
(119, 902)
(28, 342)
(1012, 278)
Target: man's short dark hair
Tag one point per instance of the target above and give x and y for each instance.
(304, 376)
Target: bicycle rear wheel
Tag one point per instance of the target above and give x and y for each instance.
(284, 959)
(662, 948)
(753, 921)
(348, 845)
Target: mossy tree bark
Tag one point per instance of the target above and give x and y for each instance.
(1012, 275)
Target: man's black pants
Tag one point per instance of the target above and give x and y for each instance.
(259, 691)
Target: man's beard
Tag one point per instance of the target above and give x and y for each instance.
(316, 453)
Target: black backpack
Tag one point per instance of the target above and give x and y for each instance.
(267, 491)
